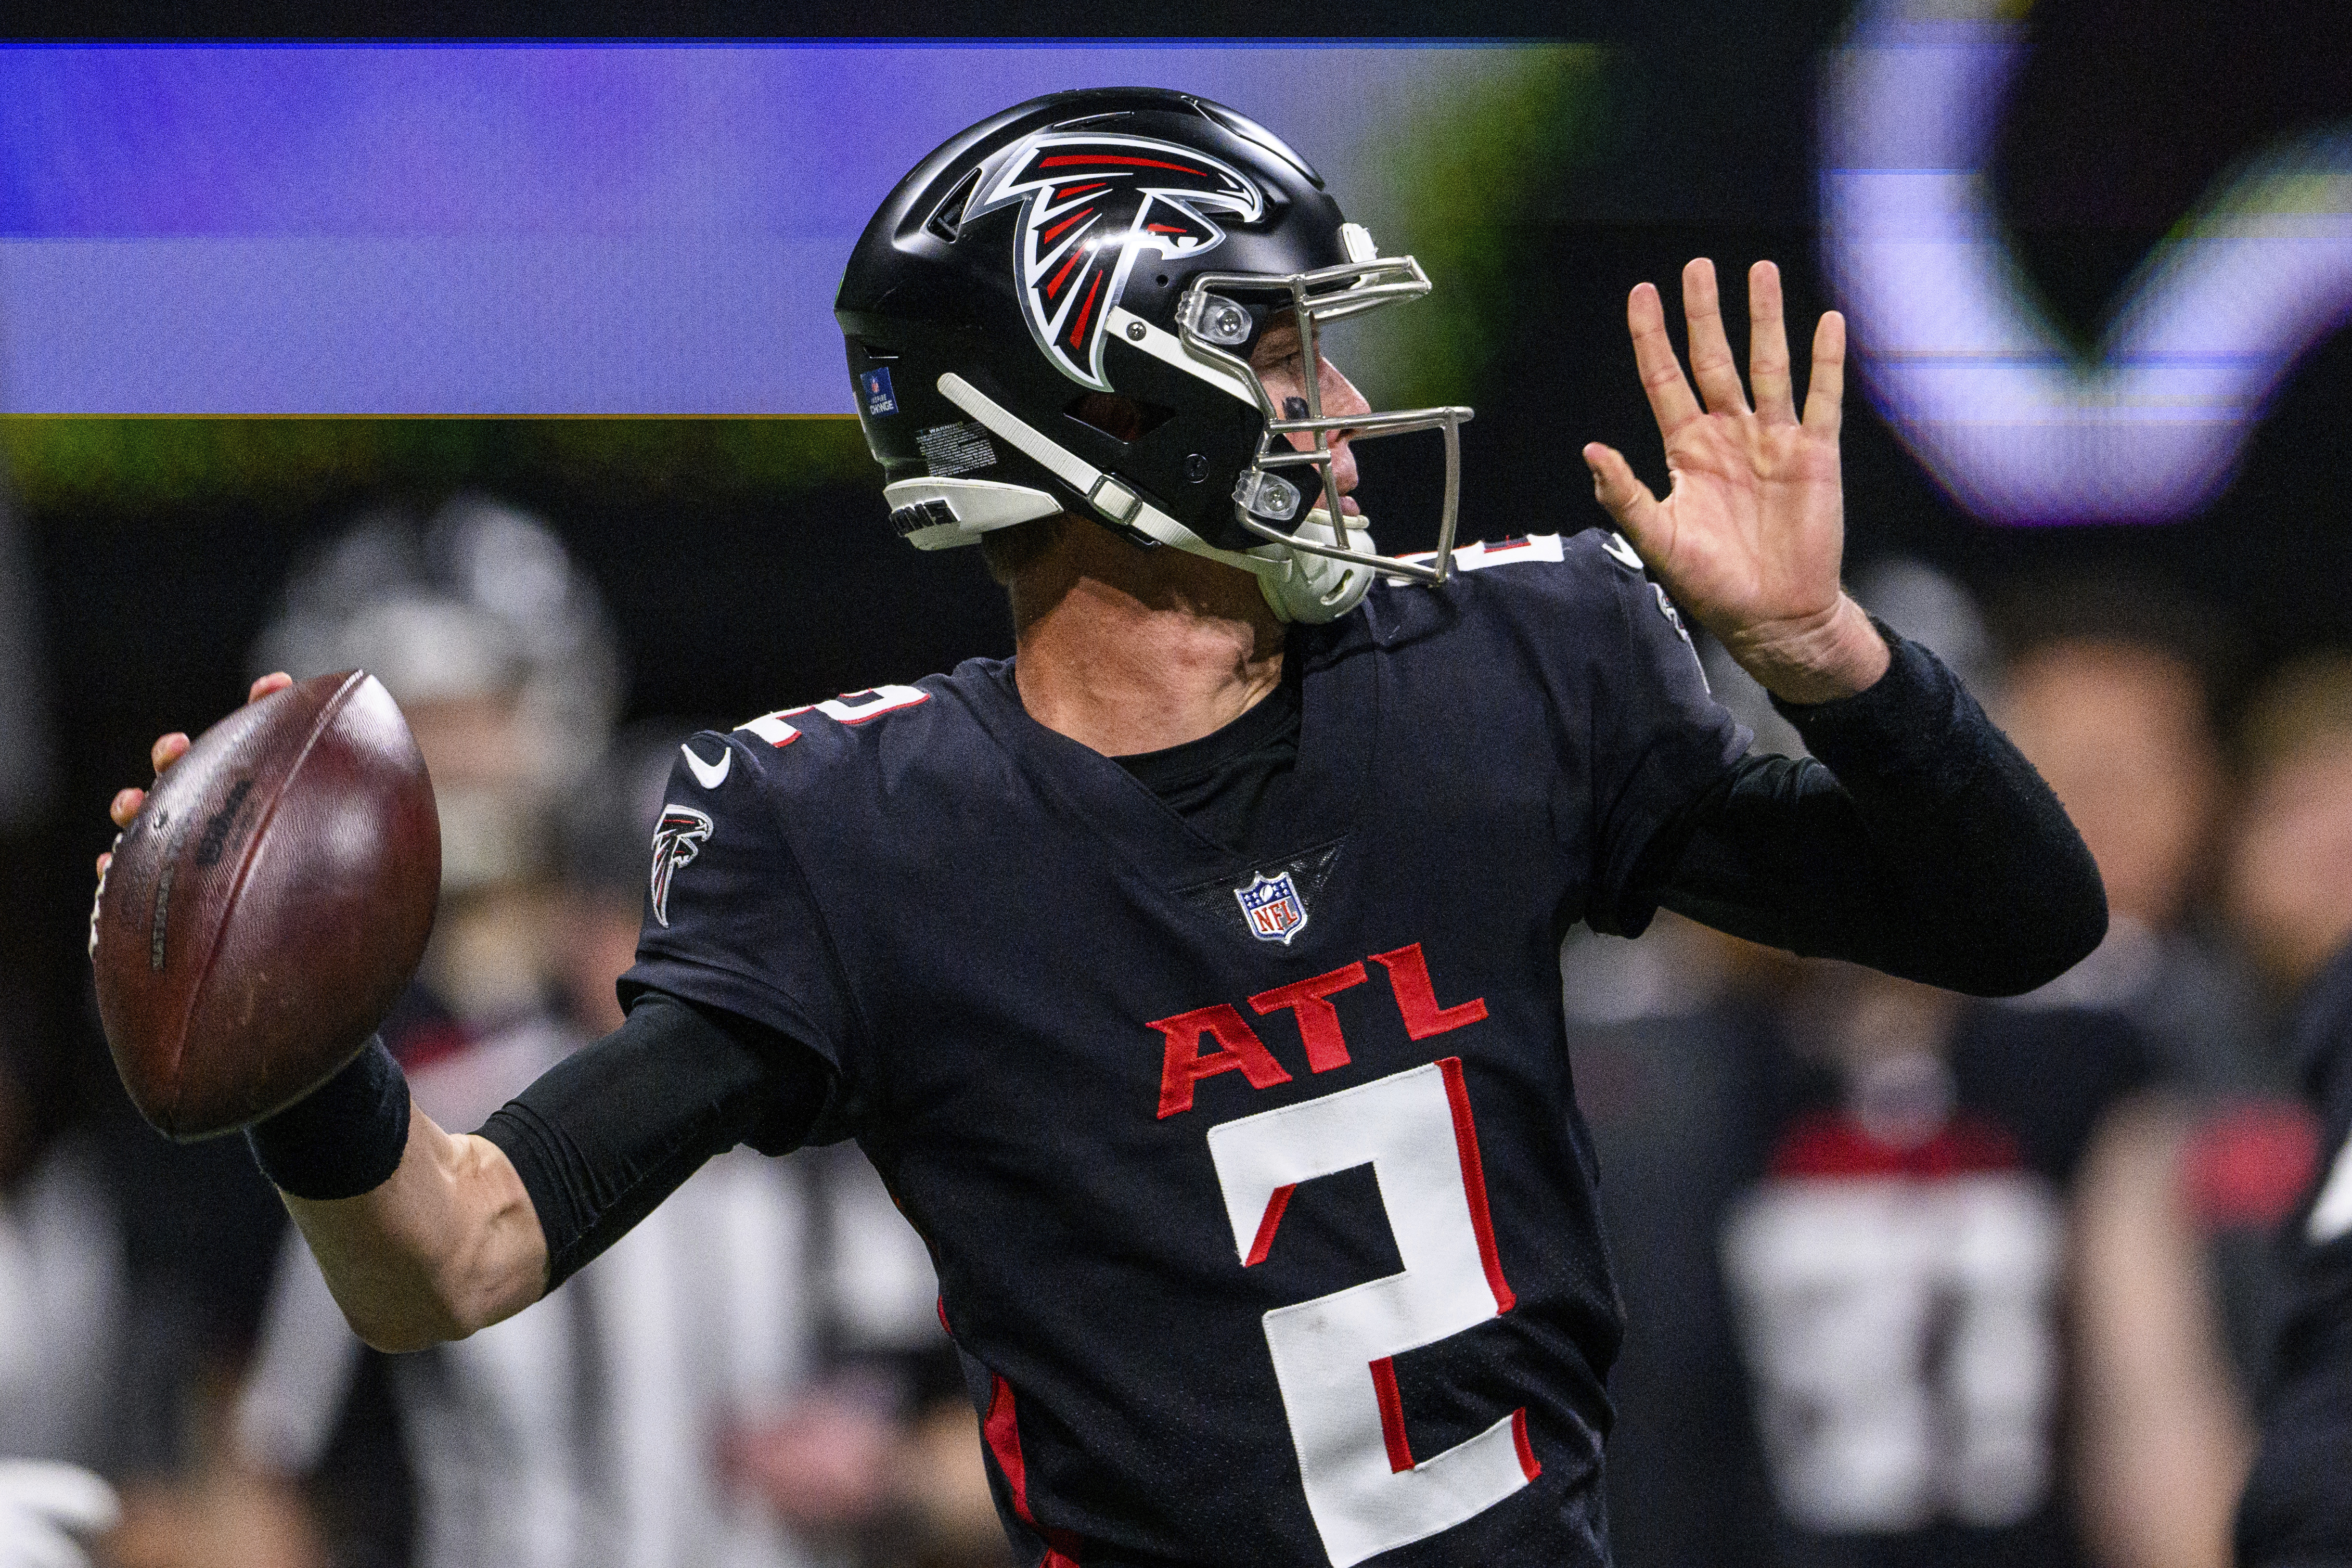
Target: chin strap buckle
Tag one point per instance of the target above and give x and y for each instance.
(1314, 588)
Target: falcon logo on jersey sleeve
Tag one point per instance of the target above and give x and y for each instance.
(676, 842)
(1272, 907)
(1091, 206)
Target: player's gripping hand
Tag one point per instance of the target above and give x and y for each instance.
(167, 750)
(1749, 536)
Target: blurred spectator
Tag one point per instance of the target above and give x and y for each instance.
(92, 1384)
(1884, 1252)
(2110, 694)
(2289, 890)
(603, 1425)
(1908, 1278)
(2288, 887)
(62, 1283)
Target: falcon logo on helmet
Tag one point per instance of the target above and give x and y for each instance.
(1092, 205)
(676, 842)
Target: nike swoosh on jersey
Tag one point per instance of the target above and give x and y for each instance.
(710, 775)
(1620, 550)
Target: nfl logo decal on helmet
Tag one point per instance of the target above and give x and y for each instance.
(1272, 907)
(676, 841)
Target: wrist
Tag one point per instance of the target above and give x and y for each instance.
(344, 1138)
(1839, 654)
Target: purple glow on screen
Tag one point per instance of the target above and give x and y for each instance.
(1958, 353)
(521, 229)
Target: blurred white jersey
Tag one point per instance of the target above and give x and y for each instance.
(61, 1306)
(584, 1432)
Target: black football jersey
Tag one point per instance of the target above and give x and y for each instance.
(1261, 1209)
(2298, 1502)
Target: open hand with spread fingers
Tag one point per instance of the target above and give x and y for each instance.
(1751, 532)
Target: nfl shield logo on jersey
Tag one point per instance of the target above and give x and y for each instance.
(1272, 907)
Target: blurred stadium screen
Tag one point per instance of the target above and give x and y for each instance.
(533, 229)
(1960, 355)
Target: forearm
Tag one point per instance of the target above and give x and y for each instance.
(604, 1136)
(447, 1244)
(1921, 844)
(426, 1235)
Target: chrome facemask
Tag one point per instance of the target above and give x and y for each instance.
(1212, 327)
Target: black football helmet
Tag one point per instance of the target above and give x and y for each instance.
(1131, 242)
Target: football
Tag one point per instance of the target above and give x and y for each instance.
(266, 906)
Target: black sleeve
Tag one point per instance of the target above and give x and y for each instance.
(606, 1134)
(1920, 843)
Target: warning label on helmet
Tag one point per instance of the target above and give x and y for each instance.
(955, 449)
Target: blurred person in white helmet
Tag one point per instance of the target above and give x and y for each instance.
(497, 649)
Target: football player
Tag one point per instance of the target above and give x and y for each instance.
(1191, 976)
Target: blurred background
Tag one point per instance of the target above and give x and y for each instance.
(1909, 1280)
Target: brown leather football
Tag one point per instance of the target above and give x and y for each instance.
(266, 906)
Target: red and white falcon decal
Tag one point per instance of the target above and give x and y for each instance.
(1092, 204)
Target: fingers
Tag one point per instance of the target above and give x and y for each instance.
(1712, 366)
(1767, 347)
(169, 749)
(1825, 392)
(1654, 355)
(1629, 500)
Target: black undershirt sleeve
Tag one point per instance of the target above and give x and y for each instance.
(1917, 840)
(613, 1129)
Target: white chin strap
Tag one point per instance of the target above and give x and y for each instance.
(943, 512)
(1305, 586)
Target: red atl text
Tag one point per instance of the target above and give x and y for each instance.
(1239, 1050)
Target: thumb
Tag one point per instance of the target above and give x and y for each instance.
(1628, 499)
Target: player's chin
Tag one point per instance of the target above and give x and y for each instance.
(1348, 507)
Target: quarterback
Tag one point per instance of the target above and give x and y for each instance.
(1191, 977)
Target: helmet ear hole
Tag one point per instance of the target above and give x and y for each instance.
(947, 218)
(1123, 419)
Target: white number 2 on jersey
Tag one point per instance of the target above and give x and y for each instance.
(1333, 1354)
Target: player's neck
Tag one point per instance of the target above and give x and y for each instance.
(1128, 650)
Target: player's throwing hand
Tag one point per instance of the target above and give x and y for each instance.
(1749, 536)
